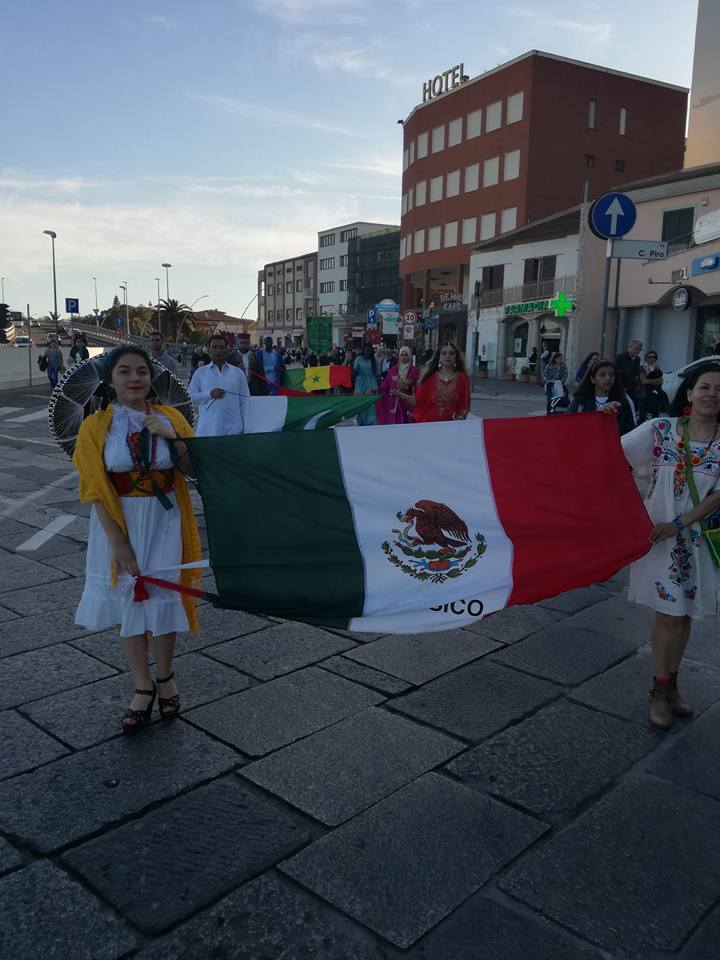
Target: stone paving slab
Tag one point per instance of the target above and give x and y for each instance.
(637, 870)
(16, 483)
(623, 690)
(616, 618)
(565, 654)
(200, 680)
(172, 862)
(10, 858)
(75, 507)
(483, 930)
(274, 714)
(420, 657)
(515, 623)
(43, 913)
(18, 572)
(406, 863)
(703, 944)
(31, 633)
(477, 700)
(264, 920)
(692, 758)
(53, 547)
(704, 644)
(75, 796)
(573, 601)
(343, 769)
(556, 759)
(9, 528)
(368, 676)
(71, 561)
(6, 615)
(46, 598)
(39, 673)
(279, 649)
(24, 746)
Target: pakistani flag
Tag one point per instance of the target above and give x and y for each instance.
(419, 527)
(272, 414)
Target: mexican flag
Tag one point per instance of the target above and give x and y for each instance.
(419, 527)
(273, 414)
(318, 378)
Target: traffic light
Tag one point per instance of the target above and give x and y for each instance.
(7, 327)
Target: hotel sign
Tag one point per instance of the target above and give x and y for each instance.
(444, 82)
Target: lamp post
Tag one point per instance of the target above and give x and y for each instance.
(167, 279)
(2, 287)
(53, 236)
(204, 295)
(97, 312)
(123, 287)
(159, 321)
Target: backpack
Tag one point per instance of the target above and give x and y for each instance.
(42, 362)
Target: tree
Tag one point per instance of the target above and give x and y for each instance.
(110, 317)
(173, 317)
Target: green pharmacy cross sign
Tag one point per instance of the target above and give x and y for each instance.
(561, 305)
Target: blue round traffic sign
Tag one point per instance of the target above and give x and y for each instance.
(612, 216)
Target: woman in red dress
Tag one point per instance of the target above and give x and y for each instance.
(444, 389)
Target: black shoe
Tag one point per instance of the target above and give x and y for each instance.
(169, 707)
(134, 720)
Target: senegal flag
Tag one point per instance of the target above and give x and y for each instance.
(418, 527)
(318, 378)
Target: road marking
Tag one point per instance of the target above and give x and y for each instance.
(5, 411)
(43, 443)
(15, 504)
(47, 533)
(27, 417)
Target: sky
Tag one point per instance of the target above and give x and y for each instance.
(221, 135)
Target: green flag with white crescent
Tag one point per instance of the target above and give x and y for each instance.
(272, 414)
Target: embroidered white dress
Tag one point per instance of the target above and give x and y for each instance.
(156, 538)
(677, 576)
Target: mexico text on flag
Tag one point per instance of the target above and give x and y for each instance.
(404, 529)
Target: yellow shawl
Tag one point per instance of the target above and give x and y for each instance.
(95, 486)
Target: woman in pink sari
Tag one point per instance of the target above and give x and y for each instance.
(400, 378)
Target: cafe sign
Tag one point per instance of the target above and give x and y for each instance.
(444, 82)
(560, 305)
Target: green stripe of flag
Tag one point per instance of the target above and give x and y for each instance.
(294, 378)
(262, 514)
(320, 413)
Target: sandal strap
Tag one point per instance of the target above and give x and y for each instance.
(169, 701)
(147, 693)
(165, 679)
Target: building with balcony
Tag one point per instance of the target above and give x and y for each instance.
(373, 272)
(537, 135)
(287, 293)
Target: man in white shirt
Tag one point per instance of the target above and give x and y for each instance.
(220, 393)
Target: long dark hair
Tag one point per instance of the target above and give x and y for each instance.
(680, 400)
(433, 364)
(111, 361)
(586, 388)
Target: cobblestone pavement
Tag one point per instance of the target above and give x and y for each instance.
(491, 793)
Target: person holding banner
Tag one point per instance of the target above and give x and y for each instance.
(401, 379)
(221, 394)
(131, 458)
(443, 392)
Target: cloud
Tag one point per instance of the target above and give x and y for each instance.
(385, 168)
(254, 111)
(311, 12)
(159, 21)
(595, 32)
(71, 185)
(375, 60)
(277, 190)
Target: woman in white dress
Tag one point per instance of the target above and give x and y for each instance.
(141, 522)
(678, 578)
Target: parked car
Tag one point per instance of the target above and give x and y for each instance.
(34, 322)
(23, 341)
(671, 381)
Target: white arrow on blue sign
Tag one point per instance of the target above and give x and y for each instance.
(372, 318)
(613, 215)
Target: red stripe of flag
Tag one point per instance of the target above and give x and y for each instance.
(340, 376)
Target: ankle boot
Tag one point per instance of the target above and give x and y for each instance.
(679, 707)
(660, 705)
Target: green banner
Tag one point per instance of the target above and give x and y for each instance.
(319, 333)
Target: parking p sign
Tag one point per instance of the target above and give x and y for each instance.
(72, 305)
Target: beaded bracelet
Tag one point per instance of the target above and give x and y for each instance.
(679, 524)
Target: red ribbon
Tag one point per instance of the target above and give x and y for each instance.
(140, 592)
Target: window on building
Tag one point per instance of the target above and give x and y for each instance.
(410, 199)
(493, 116)
(328, 309)
(623, 121)
(412, 151)
(298, 286)
(436, 189)
(472, 177)
(474, 124)
(438, 139)
(511, 167)
(346, 235)
(434, 238)
(278, 288)
(620, 166)
(592, 114)
(270, 316)
(343, 285)
(487, 226)
(298, 267)
(493, 277)
(469, 230)
(451, 233)
(589, 159)
(422, 145)
(677, 225)
(420, 193)
(539, 276)
(403, 205)
(453, 184)
(342, 308)
(288, 287)
(419, 241)
(508, 219)
(288, 315)
(327, 240)
(514, 112)
(406, 159)
(288, 268)
(491, 171)
(343, 259)
(327, 287)
(327, 263)
(298, 314)
(455, 132)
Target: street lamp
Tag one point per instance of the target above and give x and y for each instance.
(97, 312)
(204, 295)
(2, 286)
(53, 236)
(167, 278)
(123, 287)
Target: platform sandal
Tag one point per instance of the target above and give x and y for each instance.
(134, 720)
(169, 707)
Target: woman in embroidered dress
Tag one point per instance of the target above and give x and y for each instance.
(678, 578)
(141, 522)
(400, 379)
(366, 379)
(444, 389)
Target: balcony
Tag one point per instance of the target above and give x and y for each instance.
(540, 290)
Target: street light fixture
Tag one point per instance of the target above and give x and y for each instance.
(2, 287)
(123, 287)
(167, 278)
(204, 295)
(53, 237)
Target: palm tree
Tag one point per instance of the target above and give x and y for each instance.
(173, 316)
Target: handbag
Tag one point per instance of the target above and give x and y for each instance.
(711, 537)
(42, 363)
